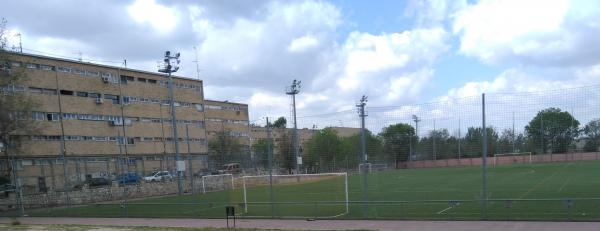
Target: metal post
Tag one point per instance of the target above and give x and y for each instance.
(170, 68)
(484, 161)
(293, 91)
(187, 135)
(63, 149)
(175, 137)
(270, 159)
(459, 138)
(363, 148)
(513, 132)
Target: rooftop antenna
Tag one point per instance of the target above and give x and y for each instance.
(197, 65)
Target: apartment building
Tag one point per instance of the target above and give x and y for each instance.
(105, 120)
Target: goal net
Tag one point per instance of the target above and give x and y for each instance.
(369, 167)
(512, 158)
(212, 183)
(322, 195)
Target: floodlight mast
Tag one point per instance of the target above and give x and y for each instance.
(361, 113)
(293, 91)
(417, 120)
(171, 65)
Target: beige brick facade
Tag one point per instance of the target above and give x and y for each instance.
(94, 101)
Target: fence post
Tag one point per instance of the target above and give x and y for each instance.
(483, 161)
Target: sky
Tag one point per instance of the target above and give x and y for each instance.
(395, 52)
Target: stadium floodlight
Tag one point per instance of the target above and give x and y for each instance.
(171, 65)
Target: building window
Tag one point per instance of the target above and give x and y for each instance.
(199, 107)
(66, 92)
(95, 95)
(114, 98)
(47, 68)
(142, 80)
(38, 138)
(52, 116)
(78, 72)
(92, 73)
(53, 138)
(82, 94)
(72, 137)
(121, 140)
(38, 115)
(100, 138)
(32, 66)
(36, 90)
(125, 79)
(69, 116)
(64, 69)
(50, 92)
(152, 81)
(86, 138)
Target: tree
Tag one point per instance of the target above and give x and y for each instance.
(224, 148)
(553, 129)
(473, 141)
(508, 139)
(281, 122)
(261, 152)
(351, 152)
(323, 151)
(443, 146)
(285, 155)
(592, 131)
(16, 122)
(397, 141)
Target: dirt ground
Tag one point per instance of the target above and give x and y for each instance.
(165, 224)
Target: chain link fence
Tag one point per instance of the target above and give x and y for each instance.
(501, 156)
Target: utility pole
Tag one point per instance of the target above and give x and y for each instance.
(293, 90)
(171, 65)
(363, 148)
(417, 120)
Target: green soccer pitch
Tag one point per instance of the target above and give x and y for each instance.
(549, 191)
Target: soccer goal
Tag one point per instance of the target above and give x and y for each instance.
(323, 195)
(211, 183)
(369, 167)
(512, 158)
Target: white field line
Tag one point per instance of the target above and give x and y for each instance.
(564, 184)
(444, 210)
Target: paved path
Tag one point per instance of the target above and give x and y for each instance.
(323, 224)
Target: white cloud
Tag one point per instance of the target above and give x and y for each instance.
(303, 43)
(536, 32)
(161, 18)
(392, 68)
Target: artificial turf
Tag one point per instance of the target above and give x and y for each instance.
(547, 191)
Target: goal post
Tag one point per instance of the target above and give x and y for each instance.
(211, 183)
(370, 167)
(513, 157)
(323, 195)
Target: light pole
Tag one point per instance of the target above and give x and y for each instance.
(417, 120)
(170, 66)
(293, 90)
